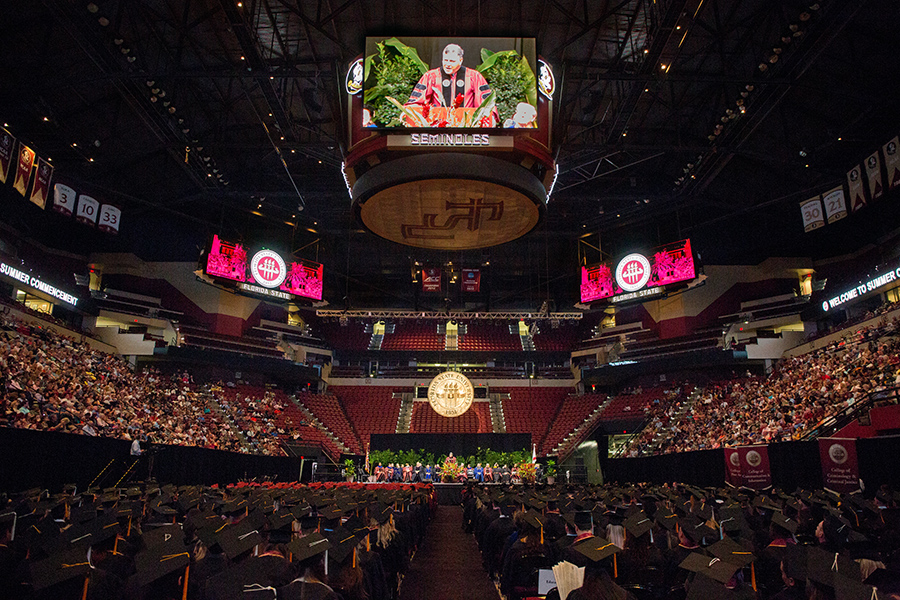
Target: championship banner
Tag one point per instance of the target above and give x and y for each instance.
(63, 199)
(733, 474)
(23, 168)
(857, 195)
(110, 216)
(755, 468)
(7, 145)
(892, 162)
(873, 176)
(431, 279)
(471, 280)
(41, 188)
(811, 210)
(87, 210)
(835, 204)
(840, 468)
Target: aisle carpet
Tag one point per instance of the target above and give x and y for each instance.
(448, 564)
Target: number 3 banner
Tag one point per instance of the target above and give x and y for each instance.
(812, 214)
(87, 210)
(109, 219)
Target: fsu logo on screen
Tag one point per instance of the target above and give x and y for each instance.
(633, 272)
(268, 269)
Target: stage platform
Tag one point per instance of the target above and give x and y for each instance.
(448, 494)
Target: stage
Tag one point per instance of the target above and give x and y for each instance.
(448, 494)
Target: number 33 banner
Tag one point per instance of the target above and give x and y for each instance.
(109, 219)
(813, 218)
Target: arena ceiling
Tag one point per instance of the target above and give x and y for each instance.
(709, 119)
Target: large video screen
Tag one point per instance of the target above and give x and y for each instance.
(265, 273)
(637, 276)
(450, 82)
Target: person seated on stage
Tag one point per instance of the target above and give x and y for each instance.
(463, 472)
(428, 473)
(379, 473)
(398, 473)
(479, 473)
(451, 459)
(407, 473)
(514, 475)
(418, 473)
(488, 473)
(470, 472)
(504, 475)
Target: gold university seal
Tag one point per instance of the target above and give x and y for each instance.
(450, 394)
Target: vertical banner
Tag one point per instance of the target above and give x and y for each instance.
(23, 168)
(892, 162)
(431, 279)
(857, 195)
(7, 146)
(755, 467)
(873, 176)
(41, 188)
(811, 210)
(63, 199)
(87, 210)
(733, 474)
(471, 280)
(840, 468)
(835, 204)
(110, 216)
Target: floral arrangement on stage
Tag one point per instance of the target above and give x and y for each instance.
(527, 471)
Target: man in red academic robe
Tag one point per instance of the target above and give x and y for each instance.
(442, 86)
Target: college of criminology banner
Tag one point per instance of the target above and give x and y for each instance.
(7, 146)
(41, 188)
(755, 469)
(840, 468)
(23, 168)
(431, 279)
(812, 214)
(471, 280)
(733, 474)
(892, 162)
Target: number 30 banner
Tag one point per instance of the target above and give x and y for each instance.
(813, 218)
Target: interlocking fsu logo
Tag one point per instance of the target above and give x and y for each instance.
(268, 269)
(473, 212)
(633, 272)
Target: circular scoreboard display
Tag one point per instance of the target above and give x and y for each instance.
(451, 394)
(268, 269)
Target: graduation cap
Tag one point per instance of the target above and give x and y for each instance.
(823, 567)
(763, 501)
(160, 560)
(343, 541)
(638, 524)
(732, 519)
(59, 567)
(707, 588)
(8, 521)
(714, 568)
(795, 562)
(666, 518)
(238, 538)
(280, 518)
(163, 534)
(848, 589)
(308, 546)
(782, 521)
(596, 549)
(731, 551)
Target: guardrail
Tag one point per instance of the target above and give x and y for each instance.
(834, 423)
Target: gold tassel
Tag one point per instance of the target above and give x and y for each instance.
(87, 580)
(187, 571)
(542, 536)
(753, 576)
(615, 567)
(354, 559)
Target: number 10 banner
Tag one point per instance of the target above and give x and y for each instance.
(813, 218)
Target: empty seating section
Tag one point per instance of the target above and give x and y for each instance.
(369, 409)
(554, 372)
(632, 404)
(348, 371)
(574, 410)
(646, 347)
(195, 336)
(351, 336)
(328, 410)
(561, 339)
(412, 335)
(530, 410)
(475, 420)
(489, 337)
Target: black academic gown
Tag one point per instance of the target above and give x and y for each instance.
(299, 590)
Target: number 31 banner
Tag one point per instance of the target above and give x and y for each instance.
(813, 218)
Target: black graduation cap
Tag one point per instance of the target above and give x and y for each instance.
(595, 549)
(795, 562)
(714, 568)
(301, 510)
(238, 538)
(638, 524)
(706, 588)
(160, 560)
(666, 518)
(782, 521)
(163, 534)
(732, 519)
(308, 546)
(846, 588)
(343, 541)
(58, 567)
(824, 567)
(731, 551)
(279, 519)
(331, 511)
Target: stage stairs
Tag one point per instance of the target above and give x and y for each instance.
(406, 410)
(498, 418)
(311, 418)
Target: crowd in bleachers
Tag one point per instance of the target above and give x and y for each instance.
(800, 393)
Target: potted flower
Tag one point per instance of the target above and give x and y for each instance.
(550, 471)
(349, 469)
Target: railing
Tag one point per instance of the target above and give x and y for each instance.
(634, 434)
(834, 423)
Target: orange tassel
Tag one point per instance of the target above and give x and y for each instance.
(87, 580)
(753, 576)
(187, 571)
(615, 567)
(354, 559)
(542, 536)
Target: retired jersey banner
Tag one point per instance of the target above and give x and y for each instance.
(892, 162)
(733, 474)
(431, 279)
(63, 199)
(811, 210)
(840, 467)
(110, 217)
(23, 168)
(857, 194)
(41, 188)
(873, 176)
(87, 210)
(835, 204)
(471, 280)
(755, 469)
(7, 148)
